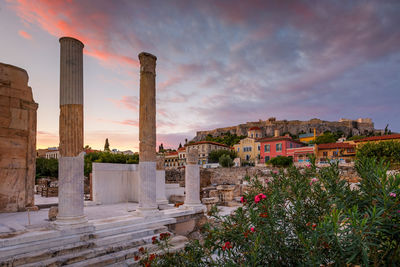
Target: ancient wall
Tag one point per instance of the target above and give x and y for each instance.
(294, 127)
(17, 139)
(235, 175)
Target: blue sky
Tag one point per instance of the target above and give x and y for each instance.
(220, 63)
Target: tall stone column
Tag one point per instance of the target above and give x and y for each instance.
(71, 161)
(147, 135)
(192, 179)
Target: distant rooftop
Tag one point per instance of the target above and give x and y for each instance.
(379, 138)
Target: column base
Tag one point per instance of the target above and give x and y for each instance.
(71, 222)
(196, 207)
(147, 213)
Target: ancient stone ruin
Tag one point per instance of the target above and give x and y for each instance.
(17, 140)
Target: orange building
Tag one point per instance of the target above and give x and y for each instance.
(344, 152)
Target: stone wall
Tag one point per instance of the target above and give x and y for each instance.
(17, 140)
(234, 176)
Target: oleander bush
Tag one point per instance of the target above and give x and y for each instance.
(306, 217)
(281, 161)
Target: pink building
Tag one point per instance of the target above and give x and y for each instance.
(301, 154)
(272, 147)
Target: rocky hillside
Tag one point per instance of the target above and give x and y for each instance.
(354, 127)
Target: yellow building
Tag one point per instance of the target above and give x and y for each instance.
(343, 152)
(248, 149)
(307, 138)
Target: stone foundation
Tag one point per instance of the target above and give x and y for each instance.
(17, 140)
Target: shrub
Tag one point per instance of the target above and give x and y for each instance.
(281, 161)
(107, 157)
(225, 161)
(304, 217)
(46, 167)
(388, 151)
(215, 155)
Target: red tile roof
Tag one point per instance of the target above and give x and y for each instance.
(335, 145)
(182, 149)
(379, 138)
(254, 128)
(172, 153)
(207, 142)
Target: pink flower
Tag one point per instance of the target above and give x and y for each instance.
(275, 172)
(308, 166)
(313, 180)
(252, 229)
(392, 194)
(227, 245)
(242, 200)
(259, 197)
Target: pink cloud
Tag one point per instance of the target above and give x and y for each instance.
(69, 18)
(24, 34)
(128, 102)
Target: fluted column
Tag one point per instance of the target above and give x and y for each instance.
(192, 178)
(71, 162)
(147, 135)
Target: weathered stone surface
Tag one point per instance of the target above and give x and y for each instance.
(192, 179)
(71, 130)
(147, 111)
(17, 139)
(53, 212)
(147, 135)
(70, 170)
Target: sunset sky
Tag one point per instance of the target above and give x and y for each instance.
(220, 63)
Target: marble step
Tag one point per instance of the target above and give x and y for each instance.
(116, 229)
(84, 250)
(91, 253)
(44, 234)
(41, 245)
(129, 221)
(126, 257)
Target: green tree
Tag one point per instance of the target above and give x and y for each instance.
(107, 157)
(388, 151)
(356, 137)
(225, 161)
(46, 168)
(214, 155)
(325, 138)
(227, 139)
(281, 161)
(106, 145)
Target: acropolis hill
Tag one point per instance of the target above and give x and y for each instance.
(347, 126)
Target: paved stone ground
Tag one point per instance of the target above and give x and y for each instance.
(18, 221)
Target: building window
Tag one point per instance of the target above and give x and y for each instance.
(259, 147)
(279, 147)
(247, 157)
(325, 154)
(266, 158)
(350, 150)
(257, 135)
(335, 153)
(267, 148)
(291, 145)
